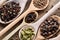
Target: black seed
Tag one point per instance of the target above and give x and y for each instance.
(51, 26)
(8, 12)
(30, 17)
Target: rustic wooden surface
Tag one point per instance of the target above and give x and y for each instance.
(41, 13)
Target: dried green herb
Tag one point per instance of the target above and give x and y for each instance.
(27, 34)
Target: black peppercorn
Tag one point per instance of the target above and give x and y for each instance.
(9, 11)
(30, 17)
(49, 28)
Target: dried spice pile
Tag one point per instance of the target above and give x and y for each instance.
(27, 34)
(9, 11)
(49, 27)
(40, 3)
(30, 17)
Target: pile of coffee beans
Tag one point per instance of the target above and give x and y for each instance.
(9, 11)
(49, 27)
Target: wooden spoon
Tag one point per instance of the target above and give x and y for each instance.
(32, 7)
(21, 4)
(36, 24)
(39, 32)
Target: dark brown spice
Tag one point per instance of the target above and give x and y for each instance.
(30, 17)
(9, 11)
(49, 27)
(40, 3)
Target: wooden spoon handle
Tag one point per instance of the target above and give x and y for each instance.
(13, 23)
(13, 32)
(2, 1)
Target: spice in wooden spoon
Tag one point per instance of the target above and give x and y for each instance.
(40, 3)
(9, 11)
(49, 27)
(30, 17)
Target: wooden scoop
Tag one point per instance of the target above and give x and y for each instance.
(39, 32)
(21, 3)
(36, 24)
(32, 7)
